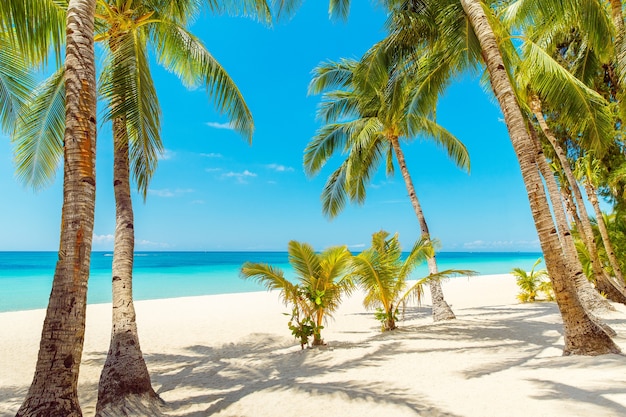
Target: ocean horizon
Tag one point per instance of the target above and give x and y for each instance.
(26, 277)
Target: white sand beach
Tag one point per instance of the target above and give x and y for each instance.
(232, 355)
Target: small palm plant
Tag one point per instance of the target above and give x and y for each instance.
(383, 273)
(532, 283)
(323, 278)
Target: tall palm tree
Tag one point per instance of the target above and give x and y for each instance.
(322, 281)
(582, 335)
(383, 273)
(53, 391)
(457, 33)
(129, 28)
(588, 170)
(366, 117)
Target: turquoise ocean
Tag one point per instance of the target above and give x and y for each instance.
(26, 277)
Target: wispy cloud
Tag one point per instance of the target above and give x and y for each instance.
(102, 239)
(167, 154)
(212, 155)
(167, 193)
(513, 245)
(213, 169)
(239, 176)
(144, 242)
(217, 125)
(279, 168)
(357, 246)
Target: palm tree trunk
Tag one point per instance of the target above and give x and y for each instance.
(441, 309)
(124, 381)
(586, 232)
(616, 291)
(590, 298)
(53, 391)
(582, 335)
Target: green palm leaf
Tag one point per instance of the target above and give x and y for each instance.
(185, 55)
(582, 109)
(38, 138)
(16, 83)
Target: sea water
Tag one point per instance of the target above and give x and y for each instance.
(26, 277)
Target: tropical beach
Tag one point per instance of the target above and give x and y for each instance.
(402, 149)
(232, 355)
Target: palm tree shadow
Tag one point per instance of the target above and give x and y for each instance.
(208, 380)
(597, 397)
(237, 371)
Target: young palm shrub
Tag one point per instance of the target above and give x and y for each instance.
(383, 274)
(322, 280)
(532, 283)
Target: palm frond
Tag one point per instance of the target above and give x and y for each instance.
(304, 260)
(16, 83)
(271, 278)
(35, 27)
(129, 89)
(455, 149)
(38, 137)
(331, 74)
(186, 56)
(583, 110)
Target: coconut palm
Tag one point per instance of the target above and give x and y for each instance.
(53, 391)
(322, 280)
(129, 29)
(531, 282)
(583, 336)
(366, 113)
(383, 273)
(588, 171)
(460, 25)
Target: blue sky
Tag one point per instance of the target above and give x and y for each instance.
(213, 191)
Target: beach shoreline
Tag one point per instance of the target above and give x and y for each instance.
(232, 355)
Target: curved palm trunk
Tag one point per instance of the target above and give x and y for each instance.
(582, 335)
(441, 309)
(589, 297)
(53, 391)
(124, 381)
(603, 283)
(616, 291)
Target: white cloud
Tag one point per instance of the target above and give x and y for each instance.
(167, 193)
(212, 155)
(166, 154)
(240, 176)
(279, 168)
(144, 242)
(217, 125)
(102, 239)
(357, 246)
(213, 169)
(512, 245)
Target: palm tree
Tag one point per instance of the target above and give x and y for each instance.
(531, 283)
(383, 273)
(588, 169)
(366, 117)
(582, 335)
(53, 391)
(322, 281)
(129, 28)
(135, 114)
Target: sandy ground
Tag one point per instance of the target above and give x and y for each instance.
(232, 355)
